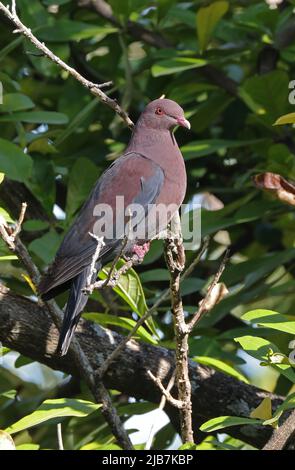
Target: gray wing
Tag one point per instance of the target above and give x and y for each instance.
(133, 176)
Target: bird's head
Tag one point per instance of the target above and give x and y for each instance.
(164, 114)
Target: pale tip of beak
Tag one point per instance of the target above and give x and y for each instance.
(184, 122)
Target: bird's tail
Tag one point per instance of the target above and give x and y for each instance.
(75, 305)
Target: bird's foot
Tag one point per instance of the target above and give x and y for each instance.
(141, 250)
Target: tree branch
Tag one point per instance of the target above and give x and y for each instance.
(282, 436)
(26, 327)
(214, 294)
(94, 88)
(166, 393)
(175, 260)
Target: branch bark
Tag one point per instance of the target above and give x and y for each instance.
(175, 260)
(27, 327)
(282, 436)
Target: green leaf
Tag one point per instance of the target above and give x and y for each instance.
(257, 90)
(29, 445)
(180, 64)
(129, 288)
(222, 422)
(15, 102)
(81, 180)
(77, 121)
(210, 110)
(46, 246)
(43, 146)
(188, 446)
(288, 404)
(8, 258)
(22, 361)
(6, 216)
(68, 30)
(34, 225)
(16, 164)
(123, 322)
(221, 366)
(10, 394)
(207, 19)
(270, 319)
(51, 409)
(263, 410)
(201, 148)
(155, 275)
(268, 353)
(286, 119)
(36, 117)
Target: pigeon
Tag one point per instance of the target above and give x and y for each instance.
(132, 202)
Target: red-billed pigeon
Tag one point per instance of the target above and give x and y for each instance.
(151, 173)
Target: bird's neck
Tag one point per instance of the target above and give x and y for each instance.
(152, 143)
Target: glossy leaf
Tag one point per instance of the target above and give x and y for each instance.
(223, 422)
(207, 19)
(50, 409)
(15, 102)
(16, 164)
(270, 319)
(221, 366)
(177, 65)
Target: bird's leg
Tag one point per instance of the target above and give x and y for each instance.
(141, 250)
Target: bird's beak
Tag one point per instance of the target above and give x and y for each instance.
(181, 121)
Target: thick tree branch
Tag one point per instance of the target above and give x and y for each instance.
(27, 327)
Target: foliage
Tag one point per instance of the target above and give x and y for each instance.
(229, 65)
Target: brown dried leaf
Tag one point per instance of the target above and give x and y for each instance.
(217, 294)
(282, 189)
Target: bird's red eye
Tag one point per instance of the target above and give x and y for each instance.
(159, 111)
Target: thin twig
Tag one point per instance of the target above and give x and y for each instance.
(160, 408)
(195, 262)
(204, 303)
(115, 261)
(114, 279)
(99, 246)
(20, 220)
(94, 88)
(173, 401)
(113, 276)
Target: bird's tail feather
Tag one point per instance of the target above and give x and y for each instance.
(75, 305)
